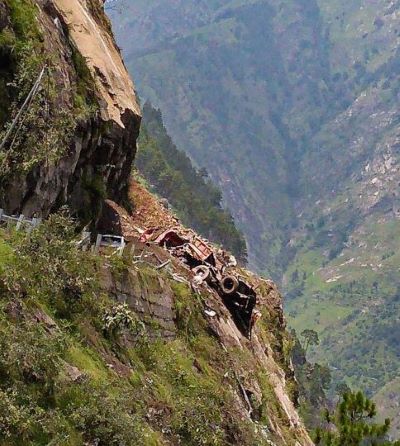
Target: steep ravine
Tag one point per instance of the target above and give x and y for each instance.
(251, 82)
(102, 350)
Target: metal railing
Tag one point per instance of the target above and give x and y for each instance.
(116, 242)
(110, 241)
(20, 221)
(102, 240)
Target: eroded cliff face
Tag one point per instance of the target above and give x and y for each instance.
(76, 42)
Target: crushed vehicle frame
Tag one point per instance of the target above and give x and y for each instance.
(208, 267)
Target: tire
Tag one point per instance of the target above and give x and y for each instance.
(202, 271)
(229, 284)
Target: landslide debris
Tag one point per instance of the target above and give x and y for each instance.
(107, 349)
(261, 354)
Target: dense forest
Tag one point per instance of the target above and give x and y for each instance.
(190, 191)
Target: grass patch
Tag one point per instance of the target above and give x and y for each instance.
(88, 362)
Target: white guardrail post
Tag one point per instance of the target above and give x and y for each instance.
(122, 247)
(98, 243)
(20, 221)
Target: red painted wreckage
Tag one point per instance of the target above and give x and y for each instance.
(213, 267)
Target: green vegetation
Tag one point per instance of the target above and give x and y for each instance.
(242, 85)
(291, 105)
(190, 191)
(354, 421)
(350, 301)
(314, 381)
(43, 132)
(48, 292)
(310, 337)
(353, 424)
(17, 38)
(77, 367)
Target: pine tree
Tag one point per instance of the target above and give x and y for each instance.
(352, 424)
(310, 338)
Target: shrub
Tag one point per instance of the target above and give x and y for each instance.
(49, 266)
(120, 317)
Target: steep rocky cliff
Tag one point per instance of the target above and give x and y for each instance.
(98, 349)
(86, 99)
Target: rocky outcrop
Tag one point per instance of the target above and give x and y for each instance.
(152, 300)
(95, 43)
(153, 297)
(100, 153)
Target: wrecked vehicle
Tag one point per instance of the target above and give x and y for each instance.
(239, 297)
(213, 269)
(193, 251)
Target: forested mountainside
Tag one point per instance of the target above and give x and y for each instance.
(104, 342)
(292, 108)
(170, 173)
(240, 75)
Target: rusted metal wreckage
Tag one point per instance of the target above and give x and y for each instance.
(213, 267)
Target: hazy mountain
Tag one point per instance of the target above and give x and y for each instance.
(98, 348)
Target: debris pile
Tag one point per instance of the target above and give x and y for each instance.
(229, 296)
(206, 264)
(212, 267)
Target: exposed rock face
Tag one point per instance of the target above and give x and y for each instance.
(97, 46)
(104, 143)
(153, 302)
(266, 353)
(3, 17)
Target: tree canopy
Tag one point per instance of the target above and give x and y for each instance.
(353, 423)
(189, 190)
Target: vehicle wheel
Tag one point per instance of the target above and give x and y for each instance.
(229, 284)
(202, 271)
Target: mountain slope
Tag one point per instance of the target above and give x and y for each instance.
(190, 192)
(103, 350)
(96, 348)
(292, 108)
(237, 91)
